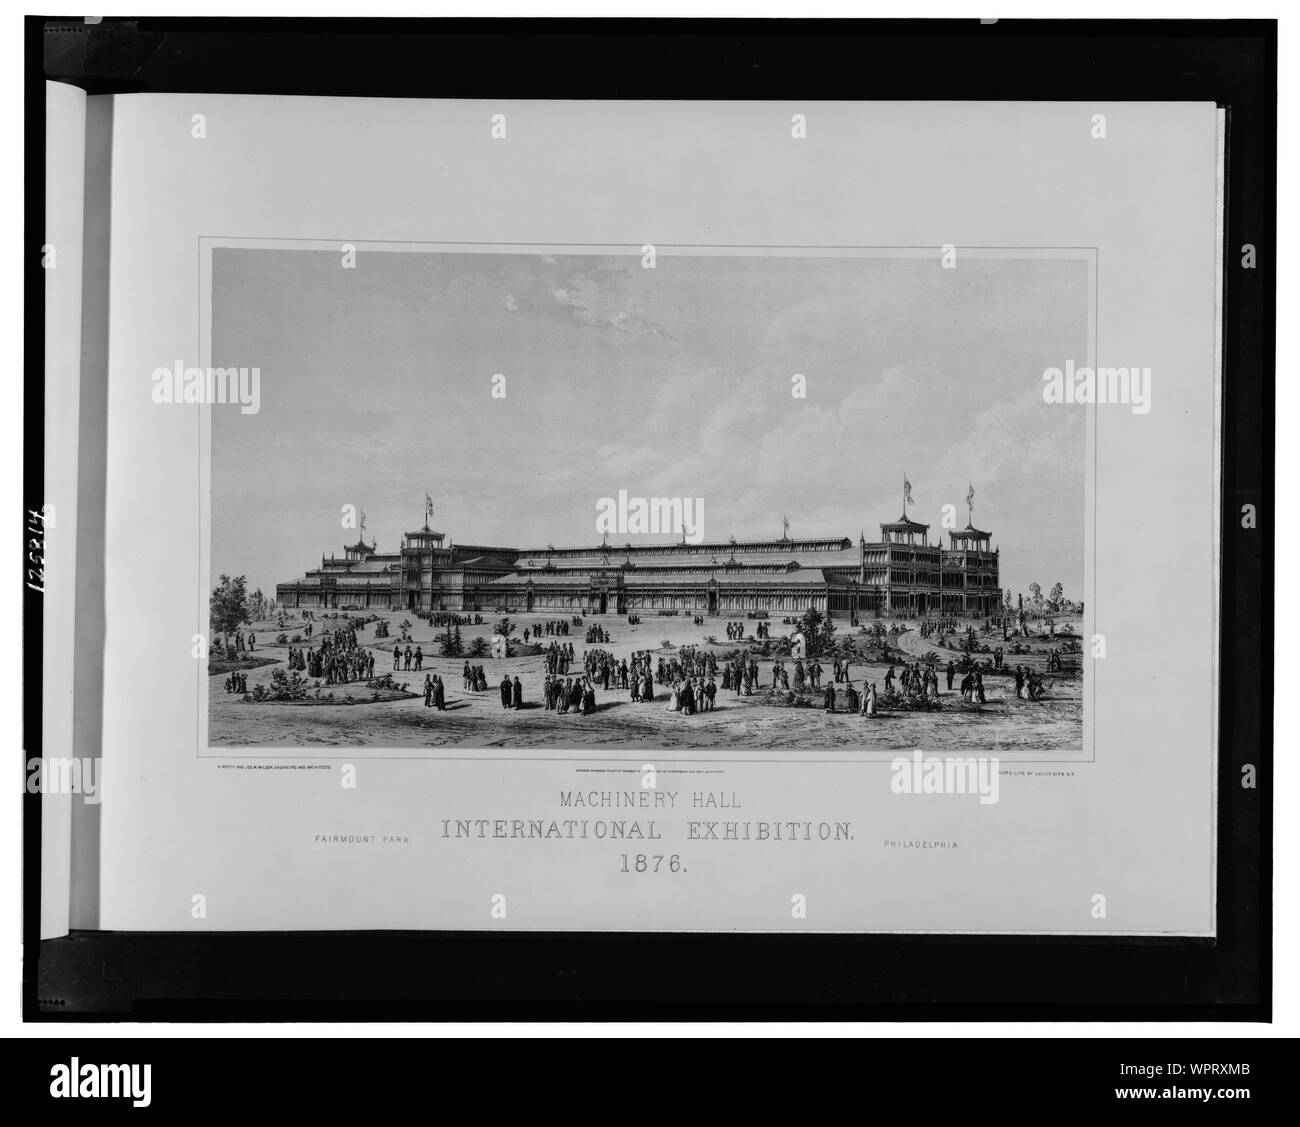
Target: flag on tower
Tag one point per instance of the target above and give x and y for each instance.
(970, 498)
(428, 508)
(907, 492)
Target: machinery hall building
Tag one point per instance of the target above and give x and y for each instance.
(900, 575)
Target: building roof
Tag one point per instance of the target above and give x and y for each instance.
(371, 566)
(645, 577)
(709, 548)
(906, 523)
(616, 560)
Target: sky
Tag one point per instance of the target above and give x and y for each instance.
(675, 381)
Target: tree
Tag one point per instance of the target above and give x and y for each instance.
(449, 644)
(818, 631)
(1055, 597)
(228, 607)
(1036, 595)
(504, 626)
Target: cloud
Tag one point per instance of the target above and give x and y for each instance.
(604, 303)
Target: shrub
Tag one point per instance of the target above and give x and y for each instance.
(286, 685)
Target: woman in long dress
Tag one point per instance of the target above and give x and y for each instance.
(673, 702)
(869, 701)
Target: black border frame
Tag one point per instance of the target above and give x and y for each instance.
(484, 976)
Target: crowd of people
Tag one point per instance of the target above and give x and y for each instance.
(830, 697)
(557, 657)
(972, 687)
(551, 628)
(446, 618)
(339, 660)
(916, 680)
(692, 674)
(931, 627)
(1029, 685)
(603, 666)
(691, 696)
(741, 674)
(688, 662)
(408, 655)
(568, 694)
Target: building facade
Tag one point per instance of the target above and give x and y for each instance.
(900, 575)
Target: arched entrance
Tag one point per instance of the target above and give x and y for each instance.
(604, 603)
(529, 600)
(713, 602)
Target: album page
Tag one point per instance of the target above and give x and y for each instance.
(661, 516)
